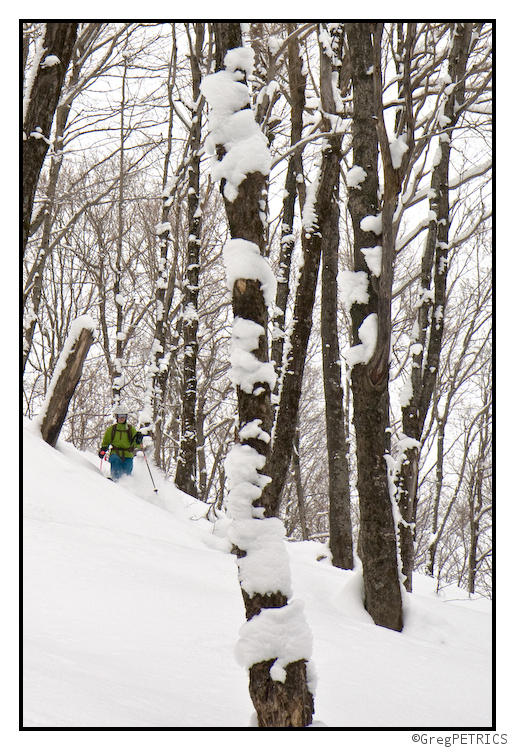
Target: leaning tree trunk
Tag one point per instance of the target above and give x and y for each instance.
(44, 96)
(35, 288)
(278, 684)
(66, 376)
(47, 213)
(377, 543)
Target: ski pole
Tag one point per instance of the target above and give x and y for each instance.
(148, 467)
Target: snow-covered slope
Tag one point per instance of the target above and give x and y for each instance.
(132, 610)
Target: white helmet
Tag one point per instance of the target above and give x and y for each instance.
(120, 411)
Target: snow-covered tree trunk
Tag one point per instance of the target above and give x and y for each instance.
(119, 300)
(162, 351)
(275, 643)
(369, 357)
(186, 472)
(64, 381)
(40, 102)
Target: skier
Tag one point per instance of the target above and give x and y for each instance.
(124, 440)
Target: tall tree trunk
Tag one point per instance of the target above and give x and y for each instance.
(378, 546)
(281, 699)
(340, 525)
(293, 186)
(186, 472)
(325, 197)
(35, 291)
(119, 378)
(44, 96)
(431, 309)
(162, 350)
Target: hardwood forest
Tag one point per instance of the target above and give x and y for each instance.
(272, 242)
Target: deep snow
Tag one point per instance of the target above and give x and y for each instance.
(132, 610)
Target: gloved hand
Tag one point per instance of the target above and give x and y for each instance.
(102, 452)
(138, 438)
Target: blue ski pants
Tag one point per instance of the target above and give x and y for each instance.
(119, 466)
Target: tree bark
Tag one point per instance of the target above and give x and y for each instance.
(64, 387)
(282, 705)
(378, 547)
(44, 96)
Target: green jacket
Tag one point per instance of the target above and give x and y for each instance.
(122, 439)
